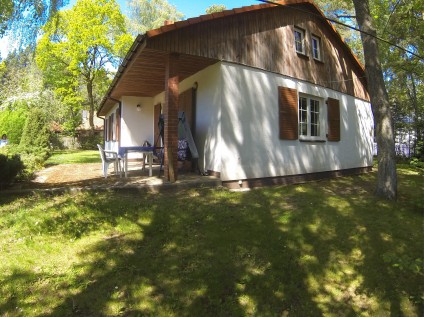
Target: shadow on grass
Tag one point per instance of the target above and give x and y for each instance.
(326, 248)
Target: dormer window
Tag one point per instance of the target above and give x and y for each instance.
(299, 40)
(316, 47)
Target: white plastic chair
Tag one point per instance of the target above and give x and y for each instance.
(109, 157)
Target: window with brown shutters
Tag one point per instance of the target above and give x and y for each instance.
(118, 123)
(288, 116)
(111, 125)
(106, 129)
(333, 111)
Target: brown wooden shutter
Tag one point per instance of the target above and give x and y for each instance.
(111, 125)
(118, 123)
(333, 111)
(106, 129)
(288, 117)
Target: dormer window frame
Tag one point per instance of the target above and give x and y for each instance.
(316, 47)
(300, 40)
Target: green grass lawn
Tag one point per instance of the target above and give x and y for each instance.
(73, 157)
(327, 248)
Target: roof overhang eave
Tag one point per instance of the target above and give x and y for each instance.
(136, 48)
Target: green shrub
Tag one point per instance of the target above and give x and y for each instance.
(420, 150)
(32, 161)
(12, 122)
(90, 141)
(36, 135)
(416, 162)
(10, 168)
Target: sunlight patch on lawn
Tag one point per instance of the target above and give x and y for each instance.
(341, 283)
(248, 304)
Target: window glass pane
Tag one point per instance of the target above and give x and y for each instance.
(315, 118)
(298, 38)
(315, 48)
(303, 116)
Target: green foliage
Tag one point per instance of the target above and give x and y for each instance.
(36, 135)
(76, 51)
(401, 23)
(215, 8)
(145, 15)
(12, 123)
(90, 141)
(417, 163)
(22, 89)
(10, 168)
(22, 19)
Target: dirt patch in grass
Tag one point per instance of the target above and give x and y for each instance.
(68, 175)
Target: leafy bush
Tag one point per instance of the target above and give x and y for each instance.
(12, 122)
(420, 150)
(90, 141)
(31, 161)
(416, 163)
(10, 168)
(36, 135)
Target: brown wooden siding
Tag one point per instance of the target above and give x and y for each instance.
(264, 39)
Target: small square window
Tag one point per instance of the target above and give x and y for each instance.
(316, 47)
(299, 40)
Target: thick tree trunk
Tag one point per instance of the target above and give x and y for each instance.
(416, 125)
(91, 103)
(386, 177)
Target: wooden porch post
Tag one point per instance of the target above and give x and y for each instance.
(170, 111)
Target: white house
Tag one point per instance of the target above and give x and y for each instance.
(272, 93)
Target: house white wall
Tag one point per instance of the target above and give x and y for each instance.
(208, 117)
(237, 126)
(136, 126)
(250, 145)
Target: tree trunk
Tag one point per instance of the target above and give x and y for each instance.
(91, 103)
(386, 177)
(416, 115)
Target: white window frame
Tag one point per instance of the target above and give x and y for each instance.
(316, 51)
(301, 32)
(306, 120)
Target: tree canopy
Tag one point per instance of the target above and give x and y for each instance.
(396, 24)
(79, 48)
(145, 15)
(215, 8)
(24, 18)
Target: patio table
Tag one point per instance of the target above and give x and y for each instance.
(148, 150)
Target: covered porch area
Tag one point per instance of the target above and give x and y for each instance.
(155, 77)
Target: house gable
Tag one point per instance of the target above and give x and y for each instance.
(259, 36)
(263, 37)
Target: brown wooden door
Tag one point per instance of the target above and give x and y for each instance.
(186, 104)
(157, 111)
